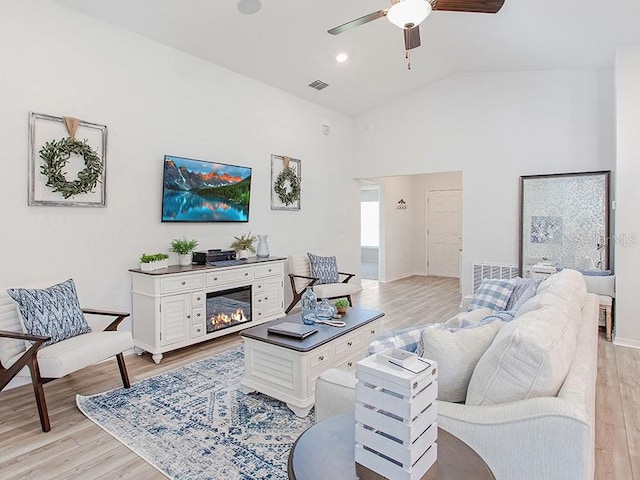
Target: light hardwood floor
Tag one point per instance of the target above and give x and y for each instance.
(76, 448)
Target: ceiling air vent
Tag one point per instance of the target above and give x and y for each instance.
(318, 84)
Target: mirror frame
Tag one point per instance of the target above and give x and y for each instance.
(607, 179)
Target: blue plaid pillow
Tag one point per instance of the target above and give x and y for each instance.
(52, 312)
(325, 269)
(493, 294)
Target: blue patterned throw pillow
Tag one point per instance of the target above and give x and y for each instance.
(52, 312)
(493, 294)
(325, 269)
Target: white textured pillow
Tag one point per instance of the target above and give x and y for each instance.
(472, 317)
(529, 357)
(457, 354)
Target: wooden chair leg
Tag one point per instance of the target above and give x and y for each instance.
(123, 371)
(38, 391)
(296, 298)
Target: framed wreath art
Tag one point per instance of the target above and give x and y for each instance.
(286, 180)
(65, 170)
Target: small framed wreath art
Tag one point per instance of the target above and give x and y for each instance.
(67, 162)
(286, 183)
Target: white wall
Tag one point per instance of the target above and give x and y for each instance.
(493, 127)
(155, 101)
(627, 327)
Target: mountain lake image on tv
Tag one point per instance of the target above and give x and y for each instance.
(200, 191)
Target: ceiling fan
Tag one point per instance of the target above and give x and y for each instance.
(408, 14)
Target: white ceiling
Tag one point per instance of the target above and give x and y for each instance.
(286, 43)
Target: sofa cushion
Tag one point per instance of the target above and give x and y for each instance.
(325, 269)
(529, 357)
(52, 312)
(457, 353)
(493, 294)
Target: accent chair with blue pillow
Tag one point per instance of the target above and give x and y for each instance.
(322, 275)
(44, 334)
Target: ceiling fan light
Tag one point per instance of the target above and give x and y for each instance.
(409, 12)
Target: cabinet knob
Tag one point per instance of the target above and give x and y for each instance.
(198, 314)
(321, 357)
(246, 274)
(184, 283)
(215, 279)
(266, 298)
(350, 364)
(269, 269)
(198, 298)
(349, 343)
(373, 332)
(188, 316)
(198, 330)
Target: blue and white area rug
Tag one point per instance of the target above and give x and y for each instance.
(195, 423)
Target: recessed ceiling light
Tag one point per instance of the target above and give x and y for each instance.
(342, 57)
(249, 7)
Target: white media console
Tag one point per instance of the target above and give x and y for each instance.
(179, 306)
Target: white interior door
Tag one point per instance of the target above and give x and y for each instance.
(444, 232)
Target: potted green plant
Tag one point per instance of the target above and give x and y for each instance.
(243, 245)
(153, 261)
(341, 305)
(183, 248)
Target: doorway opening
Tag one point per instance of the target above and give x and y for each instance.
(370, 231)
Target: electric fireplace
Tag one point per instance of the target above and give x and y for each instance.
(226, 308)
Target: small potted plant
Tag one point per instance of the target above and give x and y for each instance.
(148, 263)
(243, 245)
(183, 248)
(341, 305)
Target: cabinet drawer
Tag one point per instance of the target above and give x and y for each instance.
(348, 345)
(197, 330)
(180, 283)
(269, 270)
(371, 330)
(350, 363)
(229, 276)
(197, 298)
(197, 315)
(321, 358)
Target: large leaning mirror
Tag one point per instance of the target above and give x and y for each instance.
(564, 222)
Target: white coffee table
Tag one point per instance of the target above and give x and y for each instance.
(286, 368)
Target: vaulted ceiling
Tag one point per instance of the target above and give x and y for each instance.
(286, 43)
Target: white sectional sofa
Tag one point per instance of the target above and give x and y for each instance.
(530, 406)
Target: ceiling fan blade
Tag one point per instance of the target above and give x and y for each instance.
(411, 37)
(358, 21)
(473, 6)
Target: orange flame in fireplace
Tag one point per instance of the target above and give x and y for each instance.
(223, 319)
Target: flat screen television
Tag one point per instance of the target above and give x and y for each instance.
(201, 191)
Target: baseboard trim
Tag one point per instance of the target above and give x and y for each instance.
(626, 342)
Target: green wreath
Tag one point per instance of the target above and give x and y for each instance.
(291, 195)
(56, 155)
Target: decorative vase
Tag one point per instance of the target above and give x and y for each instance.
(263, 246)
(309, 303)
(185, 259)
(325, 311)
(243, 254)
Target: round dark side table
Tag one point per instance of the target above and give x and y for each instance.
(326, 451)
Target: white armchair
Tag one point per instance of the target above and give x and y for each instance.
(23, 355)
(300, 277)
